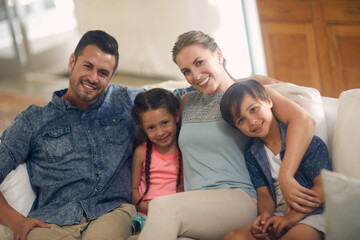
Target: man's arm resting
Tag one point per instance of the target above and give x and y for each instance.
(20, 225)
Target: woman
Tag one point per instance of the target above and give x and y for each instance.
(219, 195)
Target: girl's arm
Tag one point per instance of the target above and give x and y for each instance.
(300, 131)
(137, 163)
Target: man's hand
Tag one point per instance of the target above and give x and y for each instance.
(22, 229)
(298, 197)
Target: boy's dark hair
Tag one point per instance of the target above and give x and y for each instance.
(151, 100)
(100, 39)
(234, 96)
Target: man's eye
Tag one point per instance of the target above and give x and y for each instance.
(104, 74)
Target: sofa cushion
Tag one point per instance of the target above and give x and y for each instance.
(310, 100)
(17, 190)
(346, 141)
(342, 206)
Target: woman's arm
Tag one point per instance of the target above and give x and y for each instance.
(137, 163)
(300, 131)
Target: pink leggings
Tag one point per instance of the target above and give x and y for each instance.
(203, 214)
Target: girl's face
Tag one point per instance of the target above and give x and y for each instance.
(160, 127)
(255, 117)
(202, 68)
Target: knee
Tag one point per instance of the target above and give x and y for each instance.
(233, 235)
(162, 204)
(229, 236)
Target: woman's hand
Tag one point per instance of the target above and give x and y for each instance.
(298, 197)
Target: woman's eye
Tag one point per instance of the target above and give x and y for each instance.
(186, 72)
(198, 63)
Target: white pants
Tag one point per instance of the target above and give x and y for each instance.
(204, 214)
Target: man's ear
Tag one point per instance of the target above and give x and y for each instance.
(71, 62)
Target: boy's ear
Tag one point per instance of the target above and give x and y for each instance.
(270, 103)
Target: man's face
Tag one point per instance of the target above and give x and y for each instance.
(89, 76)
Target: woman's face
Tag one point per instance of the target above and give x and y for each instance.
(202, 68)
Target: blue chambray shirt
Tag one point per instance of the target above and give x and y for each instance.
(315, 159)
(78, 160)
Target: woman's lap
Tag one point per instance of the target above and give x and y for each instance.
(203, 214)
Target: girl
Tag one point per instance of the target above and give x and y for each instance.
(219, 195)
(156, 167)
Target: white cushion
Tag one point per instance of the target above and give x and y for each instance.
(17, 190)
(310, 100)
(342, 208)
(346, 142)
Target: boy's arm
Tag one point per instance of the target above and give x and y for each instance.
(265, 202)
(137, 163)
(293, 216)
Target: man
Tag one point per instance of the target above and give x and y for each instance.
(78, 150)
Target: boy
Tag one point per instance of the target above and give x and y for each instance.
(247, 106)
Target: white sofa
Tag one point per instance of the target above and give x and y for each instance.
(337, 123)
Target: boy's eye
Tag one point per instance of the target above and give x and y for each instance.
(165, 122)
(241, 120)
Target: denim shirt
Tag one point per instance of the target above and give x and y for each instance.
(78, 160)
(315, 159)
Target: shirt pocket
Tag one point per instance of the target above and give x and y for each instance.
(57, 142)
(116, 128)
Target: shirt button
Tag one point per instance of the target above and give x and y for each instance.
(55, 133)
(95, 190)
(99, 172)
(95, 155)
(88, 131)
(114, 120)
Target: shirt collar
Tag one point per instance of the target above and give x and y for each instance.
(64, 104)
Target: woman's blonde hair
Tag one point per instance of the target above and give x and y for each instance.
(195, 38)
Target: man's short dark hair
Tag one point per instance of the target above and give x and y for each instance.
(100, 39)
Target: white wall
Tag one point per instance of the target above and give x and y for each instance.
(147, 29)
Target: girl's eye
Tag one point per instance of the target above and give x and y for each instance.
(165, 122)
(253, 109)
(150, 128)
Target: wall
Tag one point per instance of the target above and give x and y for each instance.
(146, 31)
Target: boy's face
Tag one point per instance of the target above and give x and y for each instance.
(255, 117)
